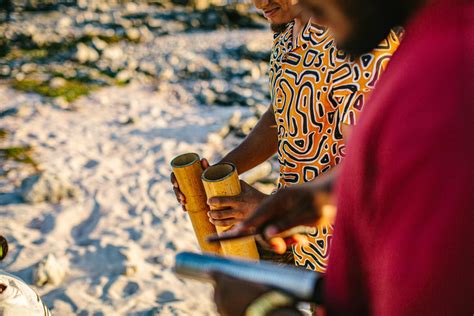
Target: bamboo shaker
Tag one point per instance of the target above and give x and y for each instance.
(188, 170)
(222, 180)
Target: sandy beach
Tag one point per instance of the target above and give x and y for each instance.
(116, 240)
(102, 97)
(127, 215)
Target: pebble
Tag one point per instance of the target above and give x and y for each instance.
(49, 271)
(48, 187)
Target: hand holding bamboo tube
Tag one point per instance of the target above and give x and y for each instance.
(223, 180)
(188, 170)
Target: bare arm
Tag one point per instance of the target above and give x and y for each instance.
(258, 146)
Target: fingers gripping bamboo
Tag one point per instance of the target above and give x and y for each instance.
(223, 180)
(188, 170)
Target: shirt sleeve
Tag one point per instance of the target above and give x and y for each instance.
(366, 70)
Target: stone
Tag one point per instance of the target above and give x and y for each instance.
(48, 187)
(130, 270)
(49, 271)
(249, 124)
(85, 54)
(234, 121)
(5, 70)
(57, 82)
(258, 173)
(20, 111)
(124, 76)
(147, 67)
(129, 120)
(29, 68)
(99, 44)
(113, 53)
(133, 34)
(207, 97)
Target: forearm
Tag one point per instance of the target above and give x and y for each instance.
(258, 146)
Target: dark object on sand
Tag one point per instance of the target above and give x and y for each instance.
(3, 248)
(299, 283)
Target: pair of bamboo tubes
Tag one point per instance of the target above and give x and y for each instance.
(197, 186)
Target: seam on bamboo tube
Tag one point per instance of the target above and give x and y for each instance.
(195, 158)
(210, 169)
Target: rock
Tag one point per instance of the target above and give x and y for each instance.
(234, 121)
(25, 110)
(61, 103)
(85, 54)
(129, 120)
(249, 124)
(113, 53)
(29, 68)
(57, 82)
(258, 173)
(49, 271)
(5, 70)
(130, 270)
(99, 44)
(266, 188)
(64, 22)
(201, 4)
(124, 76)
(207, 97)
(46, 187)
(148, 68)
(20, 111)
(133, 34)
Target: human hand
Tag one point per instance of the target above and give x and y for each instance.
(230, 210)
(179, 195)
(233, 296)
(283, 214)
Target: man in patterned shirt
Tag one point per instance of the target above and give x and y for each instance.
(317, 93)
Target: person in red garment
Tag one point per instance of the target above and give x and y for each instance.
(404, 242)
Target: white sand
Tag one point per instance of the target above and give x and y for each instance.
(127, 214)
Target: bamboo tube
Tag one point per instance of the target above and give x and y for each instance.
(223, 180)
(188, 170)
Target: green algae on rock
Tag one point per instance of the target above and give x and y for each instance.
(20, 154)
(71, 90)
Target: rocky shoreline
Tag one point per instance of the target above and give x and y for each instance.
(88, 128)
(67, 53)
(71, 51)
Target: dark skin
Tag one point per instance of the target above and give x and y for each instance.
(249, 154)
(281, 211)
(299, 205)
(224, 293)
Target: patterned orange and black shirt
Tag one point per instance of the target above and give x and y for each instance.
(314, 89)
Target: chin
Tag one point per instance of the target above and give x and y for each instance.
(277, 21)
